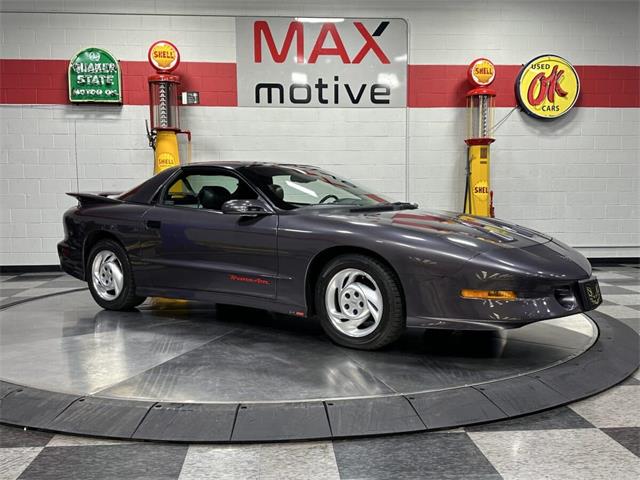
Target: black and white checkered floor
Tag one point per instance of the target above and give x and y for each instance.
(595, 438)
(18, 288)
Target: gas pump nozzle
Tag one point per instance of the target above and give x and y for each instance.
(151, 136)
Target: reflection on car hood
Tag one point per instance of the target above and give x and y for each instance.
(464, 230)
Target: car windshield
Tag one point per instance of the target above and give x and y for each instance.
(292, 187)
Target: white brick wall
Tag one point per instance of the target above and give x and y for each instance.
(127, 37)
(576, 178)
(441, 32)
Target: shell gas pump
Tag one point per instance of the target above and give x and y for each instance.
(478, 197)
(163, 107)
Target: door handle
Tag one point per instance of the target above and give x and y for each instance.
(153, 223)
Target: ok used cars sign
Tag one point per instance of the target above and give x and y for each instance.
(321, 62)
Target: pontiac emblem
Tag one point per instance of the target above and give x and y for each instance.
(593, 292)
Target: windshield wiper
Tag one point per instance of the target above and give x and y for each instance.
(385, 207)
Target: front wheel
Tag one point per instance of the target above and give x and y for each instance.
(359, 301)
(110, 277)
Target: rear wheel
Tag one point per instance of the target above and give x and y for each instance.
(360, 302)
(110, 277)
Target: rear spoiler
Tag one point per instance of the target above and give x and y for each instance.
(95, 198)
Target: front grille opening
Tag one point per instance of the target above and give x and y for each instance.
(566, 298)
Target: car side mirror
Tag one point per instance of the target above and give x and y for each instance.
(246, 208)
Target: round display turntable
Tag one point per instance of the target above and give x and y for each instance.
(181, 371)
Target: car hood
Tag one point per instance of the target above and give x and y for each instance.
(470, 232)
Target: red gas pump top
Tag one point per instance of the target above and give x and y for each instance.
(163, 77)
(480, 102)
(481, 91)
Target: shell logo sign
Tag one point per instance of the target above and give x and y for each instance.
(166, 160)
(164, 56)
(547, 87)
(481, 189)
(482, 72)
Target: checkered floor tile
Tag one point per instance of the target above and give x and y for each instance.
(18, 287)
(597, 438)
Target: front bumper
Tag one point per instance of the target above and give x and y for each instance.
(548, 279)
(561, 300)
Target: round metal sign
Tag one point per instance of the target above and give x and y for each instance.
(547, 87)
(164, 56)
(481, 72)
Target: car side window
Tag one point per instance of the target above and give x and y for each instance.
(206, 191)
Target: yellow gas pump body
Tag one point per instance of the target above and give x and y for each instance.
(166, 152)
(479, 200)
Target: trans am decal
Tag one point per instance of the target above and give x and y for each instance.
(255, 280)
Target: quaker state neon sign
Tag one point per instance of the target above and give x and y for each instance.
(94, 76)
(547, 87)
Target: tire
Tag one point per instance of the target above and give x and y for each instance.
(109, 257)
(340, 303)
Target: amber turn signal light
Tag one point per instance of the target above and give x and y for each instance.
(489, 294)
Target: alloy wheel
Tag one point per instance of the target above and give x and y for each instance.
(107, 276)
(354, 302)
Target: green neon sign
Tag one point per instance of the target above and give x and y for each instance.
(94, 76)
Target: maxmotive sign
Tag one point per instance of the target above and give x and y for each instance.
(298, 62)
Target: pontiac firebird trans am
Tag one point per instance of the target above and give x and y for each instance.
(298, 240)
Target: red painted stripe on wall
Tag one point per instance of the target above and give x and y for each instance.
(609, 86)
(446, 85)
(45, 82)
